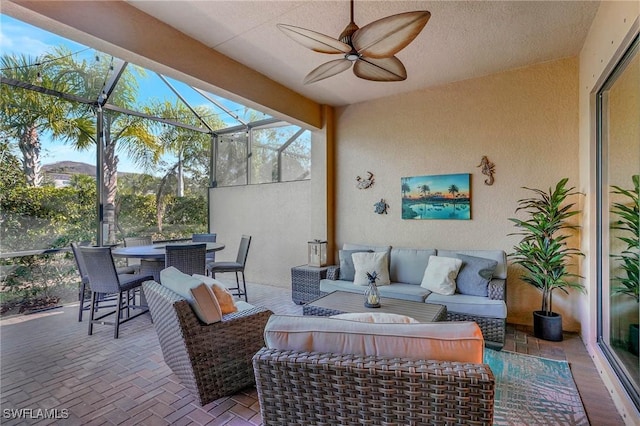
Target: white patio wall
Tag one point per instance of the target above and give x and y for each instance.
(276, 215)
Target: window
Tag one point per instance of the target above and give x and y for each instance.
(272, 152)
(618, 143)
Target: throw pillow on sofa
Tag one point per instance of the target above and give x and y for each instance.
(198, 295)
(347, 270)
(377, 262)
(222, 294)
(440, 275)
(475, 274)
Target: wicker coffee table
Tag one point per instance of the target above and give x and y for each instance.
(340, 302)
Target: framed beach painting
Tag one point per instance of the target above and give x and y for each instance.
(437, 197)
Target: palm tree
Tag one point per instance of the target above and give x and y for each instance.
(453, 190)
(405, 187)
(26, 113)
(123, 133)
(424, 190)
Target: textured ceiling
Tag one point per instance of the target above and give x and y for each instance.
(462, 40)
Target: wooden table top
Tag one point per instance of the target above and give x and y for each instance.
(343, 302)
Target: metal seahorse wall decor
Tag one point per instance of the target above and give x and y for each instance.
(488, 168)
(365, 183)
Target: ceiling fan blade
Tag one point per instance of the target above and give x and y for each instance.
(385, 69)
(327, 70)
(387, 36)
(315, 41)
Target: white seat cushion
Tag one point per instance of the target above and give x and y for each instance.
(472, 305)
(443, 341)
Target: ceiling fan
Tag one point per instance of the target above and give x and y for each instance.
(370, 49)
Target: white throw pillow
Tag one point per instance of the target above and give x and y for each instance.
(377, 317)
(440, 275)
(377, 262)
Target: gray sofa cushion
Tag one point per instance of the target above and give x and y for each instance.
(394, 290)
(498, 255)
(474, 275)
(349, 246)
(472, 305)
(347, 270)
(407, 265)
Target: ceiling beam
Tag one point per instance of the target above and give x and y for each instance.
(117, 28)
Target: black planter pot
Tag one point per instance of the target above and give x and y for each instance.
(547, 327)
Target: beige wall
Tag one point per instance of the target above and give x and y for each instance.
(525, 121)
(280, 217)
(612, 30)
(277, 216)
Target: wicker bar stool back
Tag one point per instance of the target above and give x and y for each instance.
(187, 258)
(206, 238)
(237, 266)
(104, 280)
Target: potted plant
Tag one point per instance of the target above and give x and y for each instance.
(544, 254)
(628, 213)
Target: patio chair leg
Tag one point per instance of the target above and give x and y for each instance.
(244, 284)
(119, 309)
(94, 301)
(81, 297)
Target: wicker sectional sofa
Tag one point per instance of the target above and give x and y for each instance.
(406, 270)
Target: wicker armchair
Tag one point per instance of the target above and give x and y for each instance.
(213, 360)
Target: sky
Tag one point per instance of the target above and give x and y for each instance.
(17, 37)
(438, 183)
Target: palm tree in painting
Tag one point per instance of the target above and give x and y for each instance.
(424, 190)
(405, 187)
(453, 190)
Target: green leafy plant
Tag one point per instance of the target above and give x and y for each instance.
(543, 251)
(628, 214)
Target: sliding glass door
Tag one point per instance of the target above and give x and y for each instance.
(618, 131)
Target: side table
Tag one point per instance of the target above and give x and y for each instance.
(305, 283)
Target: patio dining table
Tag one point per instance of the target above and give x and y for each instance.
(152, 256)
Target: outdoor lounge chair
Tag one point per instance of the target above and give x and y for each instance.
(211, 360)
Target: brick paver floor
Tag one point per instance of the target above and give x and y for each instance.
(48, 362)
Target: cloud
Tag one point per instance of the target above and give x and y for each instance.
(19, 38)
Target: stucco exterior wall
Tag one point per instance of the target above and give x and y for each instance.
(524, 120)
(277, 216)
(611, 32)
